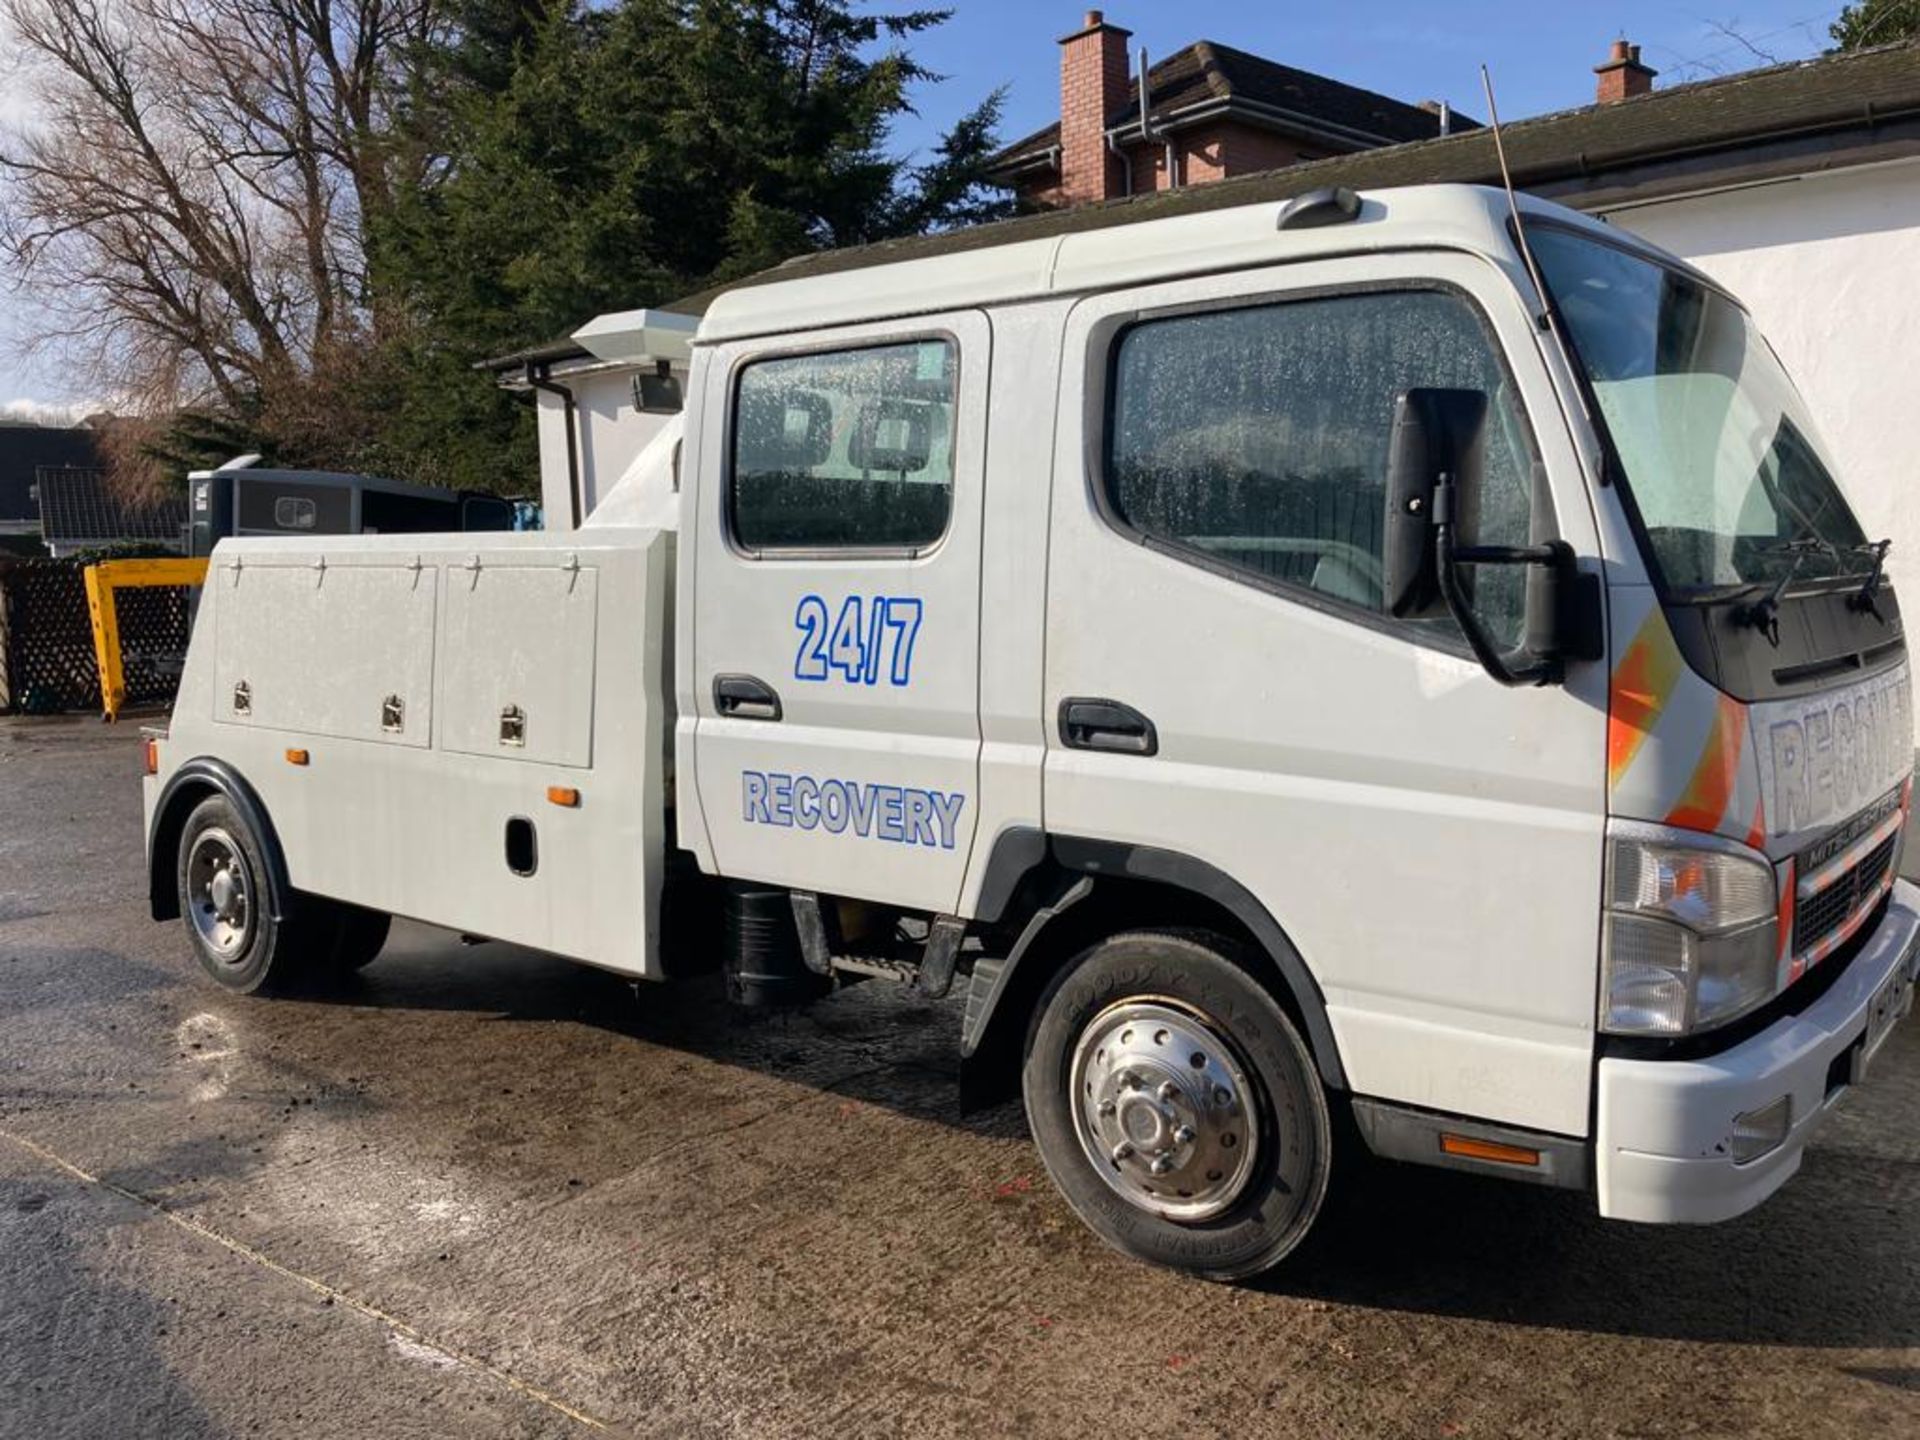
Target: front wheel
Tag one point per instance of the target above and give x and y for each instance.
(228, 907)
(1176, 1106)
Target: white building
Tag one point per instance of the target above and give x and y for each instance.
(1798, 188)
(1829, 263)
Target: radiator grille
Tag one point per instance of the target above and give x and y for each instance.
(1817, 918)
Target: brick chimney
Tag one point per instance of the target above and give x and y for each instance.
(1623, 76)
(1093, 85)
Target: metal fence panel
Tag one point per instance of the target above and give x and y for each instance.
(47, 638)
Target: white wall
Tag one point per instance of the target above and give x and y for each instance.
(1830, 267)
(611, 432)
(556, 505)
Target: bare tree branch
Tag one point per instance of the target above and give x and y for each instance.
(1729, 29)
(193, 200)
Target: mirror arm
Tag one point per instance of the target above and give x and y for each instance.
(1519, 666)
(1506, 554)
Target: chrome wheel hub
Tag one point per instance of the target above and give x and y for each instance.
(219, 894)
(1164, 1108)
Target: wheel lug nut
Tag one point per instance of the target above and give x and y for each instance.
(1161, 1164)
(1168, 1090)
(1222, 1095)
(1183, 1134)
(1123, 1151)
(1107, 1107)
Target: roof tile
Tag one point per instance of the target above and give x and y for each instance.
(23, 450)
(1863, 92)
(1207, 70)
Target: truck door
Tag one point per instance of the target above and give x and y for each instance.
(1228, 688)
(836, 608)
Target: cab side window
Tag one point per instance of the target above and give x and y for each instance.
(844, 449)
(1255, 439)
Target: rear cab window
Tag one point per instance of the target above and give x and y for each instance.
(848, 449)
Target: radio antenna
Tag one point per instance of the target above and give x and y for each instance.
(1545, 318)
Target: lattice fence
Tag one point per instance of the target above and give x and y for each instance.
(46, 639)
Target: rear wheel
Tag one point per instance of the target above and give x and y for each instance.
(1176, 1106)
(347, 937)
(226, 900)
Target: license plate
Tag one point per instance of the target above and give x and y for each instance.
(1890, 1002)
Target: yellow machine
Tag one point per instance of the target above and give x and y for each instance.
(102, 581)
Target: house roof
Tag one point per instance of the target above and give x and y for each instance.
(1205, 79)
(78, 507)
(23, 450)
(1838, 110)
(1208, 78)
(1834, 111)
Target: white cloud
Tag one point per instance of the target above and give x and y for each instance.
(18, 103)
(42, 412)
(17, 106)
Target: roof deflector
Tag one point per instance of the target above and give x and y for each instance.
(1334, 206)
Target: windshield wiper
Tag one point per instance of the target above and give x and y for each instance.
(1717, 594)
(1804, 542)
(1863, 598)
(1764, 613)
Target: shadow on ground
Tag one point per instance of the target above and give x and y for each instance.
(1398, 1238)
(78, 1349)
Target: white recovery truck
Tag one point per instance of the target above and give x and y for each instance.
(1316, 675)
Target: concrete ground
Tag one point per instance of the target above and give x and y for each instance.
(486, 1193)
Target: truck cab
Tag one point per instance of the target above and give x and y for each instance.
(1388, 670)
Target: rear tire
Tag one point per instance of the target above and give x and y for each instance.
(348, 937)
(228, 902)
(1176, 1106)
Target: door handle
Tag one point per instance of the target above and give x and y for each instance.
(1087, 724)
(744, 698)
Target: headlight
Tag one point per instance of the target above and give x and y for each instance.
(1690, 938)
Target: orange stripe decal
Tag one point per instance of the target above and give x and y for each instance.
(1642, 684)
(1757, 832)
(1784, 919)
(1711, 787)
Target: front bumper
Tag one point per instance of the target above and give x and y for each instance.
(1665, 1128)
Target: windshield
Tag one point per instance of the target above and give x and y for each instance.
(1717, 445)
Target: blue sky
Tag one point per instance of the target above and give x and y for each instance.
(1541, 54)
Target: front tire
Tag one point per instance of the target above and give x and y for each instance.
(228, 904)
(1176, 1106)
